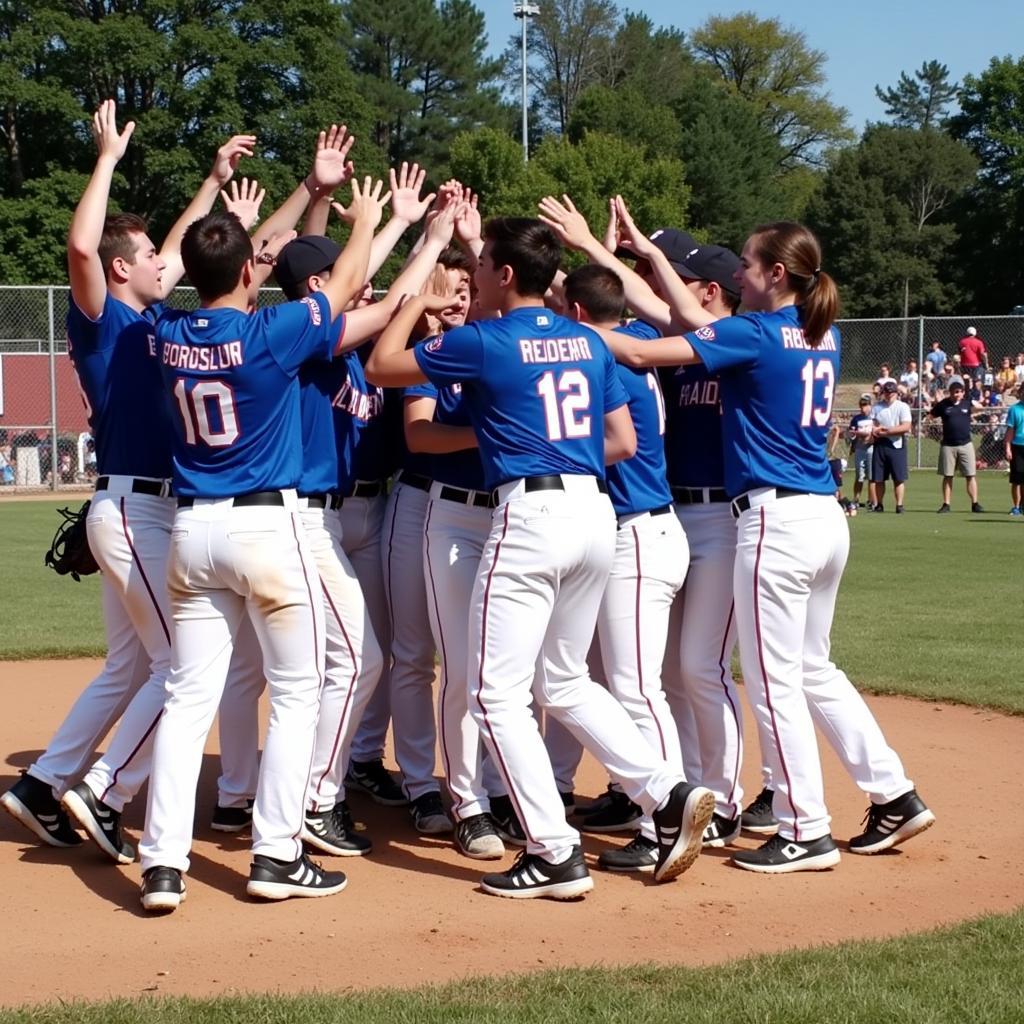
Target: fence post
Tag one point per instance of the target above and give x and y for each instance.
(920, 387)
(54, 458)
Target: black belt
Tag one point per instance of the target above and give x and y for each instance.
(664, 510)
(243, 500)
(417, 480)
(695, 495)
(157, 488)
(331, 501)
(478, 499)
(367, 489)
(742, 503)
(550, 482)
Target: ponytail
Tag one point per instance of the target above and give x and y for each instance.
(796, 248)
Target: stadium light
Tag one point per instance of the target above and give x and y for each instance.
(524, 11)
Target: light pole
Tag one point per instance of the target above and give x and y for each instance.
(524, 11)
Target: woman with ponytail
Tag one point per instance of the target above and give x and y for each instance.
(778, 365)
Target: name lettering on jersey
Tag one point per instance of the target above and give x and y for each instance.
(358, 404)
(205, 357)
(151, 341)
(554, 350)
(701, 392)
(793, 337)
(314, 310)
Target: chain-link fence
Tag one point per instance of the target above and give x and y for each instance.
(44, 433)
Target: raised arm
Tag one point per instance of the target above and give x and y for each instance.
(348, 274)
(422, 434)
(85, 270)
(331, 169)
(619, 436)
(638, 352)
(407, 208)
(571, 227)
(224, 166)
(391, 364)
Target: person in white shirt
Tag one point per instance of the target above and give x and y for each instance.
(889, 460)
(910, 378)
(884, 376)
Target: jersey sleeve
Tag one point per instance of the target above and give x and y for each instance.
(453, 357)
(615, 394)
(730, 342)
(85, 334)
(301, 330)
(426, 390)
(639, 329)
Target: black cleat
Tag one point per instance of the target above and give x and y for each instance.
(327, 832)
(757, 817)
(639, 854)
(163, 889)
(477, 837)
(102, 822)
(271, 879)
(532, 877)
(893, 823)
(507, 821)
(32, 802)
(375, 780)
(680, 826)
(619, 814)
(429, 816)
(721, 831)
(231, 819)
(780, 856)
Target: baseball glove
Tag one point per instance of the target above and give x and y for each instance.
(69, 550)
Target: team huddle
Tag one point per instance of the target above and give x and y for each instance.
(491, 465)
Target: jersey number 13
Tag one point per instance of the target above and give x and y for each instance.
(812, 372)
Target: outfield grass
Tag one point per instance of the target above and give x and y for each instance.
(930, 605)
(949, 976)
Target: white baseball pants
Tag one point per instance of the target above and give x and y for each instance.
(790, 556)
(226, 561)
(542, 575)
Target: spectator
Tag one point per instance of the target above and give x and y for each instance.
(973, 354)
(936, 359)
(956, 450)
(1005, 377)
(6, 469)
(1018, 369)
(837, 464)
(889, 460)
(990, 397)
(90, 459)
(1013, 441)
(973, 390)
(884, 376)
(861, 448)
(990, 447)
(909, 378)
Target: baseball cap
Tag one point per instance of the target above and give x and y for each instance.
(955, 382)
(712, 263)
(972, 331)
(889, 387)
(867, 397)
(675, 244)
(302, 257)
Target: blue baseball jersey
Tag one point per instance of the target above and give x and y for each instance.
(359, 428)
(777, 395)
(319, 383)
(115, 358)
(462, 468)
(639, 484)
(232, 382)
(693, 430)
(536, 387)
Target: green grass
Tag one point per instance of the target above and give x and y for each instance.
(43, 615)
(964, 973)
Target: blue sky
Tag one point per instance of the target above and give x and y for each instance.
(867, 43)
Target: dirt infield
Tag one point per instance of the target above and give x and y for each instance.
(412, 913)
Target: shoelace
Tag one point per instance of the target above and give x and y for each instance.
(477, 826)
(872, 816)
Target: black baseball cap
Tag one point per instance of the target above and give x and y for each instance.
(301, 257)
(890, 387)
(675, 244)
(712, 263)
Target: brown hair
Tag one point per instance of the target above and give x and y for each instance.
(598, 290)
(529, 247)
(214, 250)
(117, 241)
(796, 248)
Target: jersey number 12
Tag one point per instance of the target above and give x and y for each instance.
(569, 416)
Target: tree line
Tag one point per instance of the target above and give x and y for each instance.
(716, 129)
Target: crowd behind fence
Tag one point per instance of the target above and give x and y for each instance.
(44, 432)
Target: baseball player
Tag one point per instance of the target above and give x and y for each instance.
(238, 545)
(117, 278)
(778, 366)
(548, 411)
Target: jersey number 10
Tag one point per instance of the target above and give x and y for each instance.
(195, 408)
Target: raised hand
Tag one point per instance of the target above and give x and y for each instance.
(568, 223)
(630, 236)
(468, 223)
(367, 204)
(406, 186)
(331, 166)
(225, 163)
(438, 303)
(612, 232)
(441, 226)
(272, 247)
(244, 202)
(109, 142)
